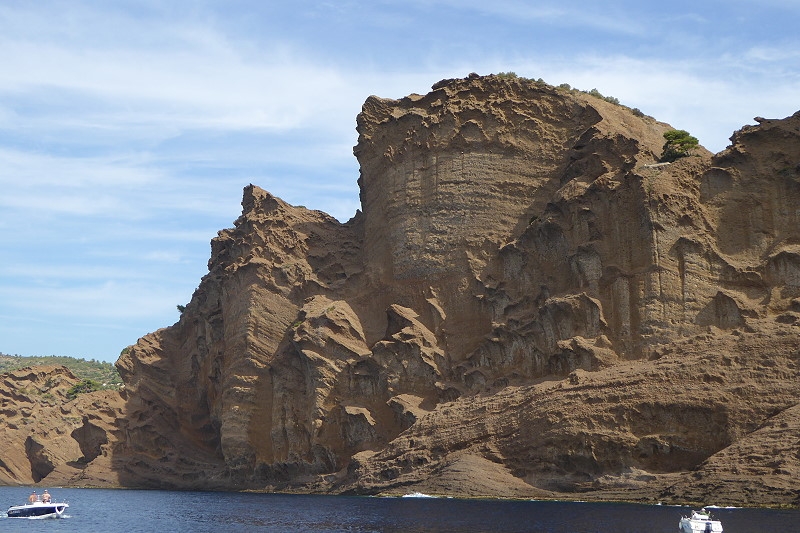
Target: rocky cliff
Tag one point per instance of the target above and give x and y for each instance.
(528, 305)
(49, 436)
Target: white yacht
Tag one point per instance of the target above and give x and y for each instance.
(699, 522)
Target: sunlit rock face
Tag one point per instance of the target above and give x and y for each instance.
(526, 306)
(52, 436)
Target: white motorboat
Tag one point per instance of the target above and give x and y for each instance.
(38, 509)
(699, 522)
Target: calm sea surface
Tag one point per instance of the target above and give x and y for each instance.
(128, 511)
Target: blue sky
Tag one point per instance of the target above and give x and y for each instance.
(128, 129)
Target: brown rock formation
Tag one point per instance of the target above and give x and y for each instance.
(45, 435)
(523, 292)
(526, 306)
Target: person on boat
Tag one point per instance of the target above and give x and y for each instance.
(32, 498)
(46, 497)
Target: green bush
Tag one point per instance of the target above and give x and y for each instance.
(598, 94)
(679, 143)
(86, 385)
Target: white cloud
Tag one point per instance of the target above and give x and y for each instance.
(151, 78)
(55, 186)
(105, 301)
(592, 15)
(203, 88)
(772, 54)
(36, 170)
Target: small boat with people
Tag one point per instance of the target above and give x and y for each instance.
(699, 522)
(38, 507)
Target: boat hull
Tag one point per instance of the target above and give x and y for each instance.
(37, 510)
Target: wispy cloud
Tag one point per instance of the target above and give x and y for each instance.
(205, 88)
(586, 15)
(25, 170)
(772, 54)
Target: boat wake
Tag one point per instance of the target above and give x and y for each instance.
(46, 517)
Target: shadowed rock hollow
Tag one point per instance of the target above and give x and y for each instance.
(525, 307)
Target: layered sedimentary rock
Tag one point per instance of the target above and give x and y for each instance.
(528, 305)
(523, 287)
(47, 434)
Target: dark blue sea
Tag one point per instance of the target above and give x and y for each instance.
(131, 511)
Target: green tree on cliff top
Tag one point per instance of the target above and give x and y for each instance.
(679, 144)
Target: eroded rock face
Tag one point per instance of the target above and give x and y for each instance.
(526, 307)
(50, 438)
(523, 289)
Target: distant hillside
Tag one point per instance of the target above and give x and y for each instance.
(103, 373)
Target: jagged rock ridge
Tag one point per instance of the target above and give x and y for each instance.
(526, 306)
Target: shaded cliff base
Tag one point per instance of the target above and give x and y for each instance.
(574, 435)
(549, 440)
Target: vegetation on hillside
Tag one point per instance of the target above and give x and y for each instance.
(678, 144)
(566, 87)
(86, 385)
(102, 375)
